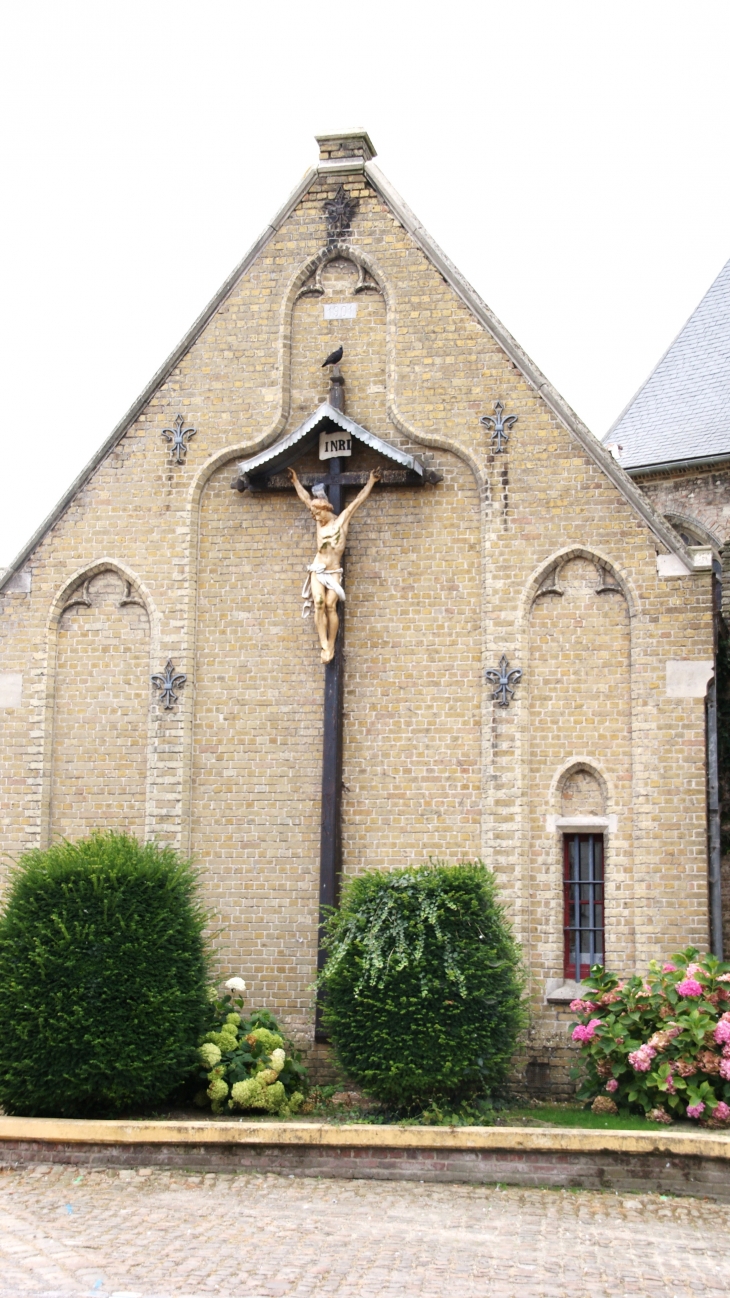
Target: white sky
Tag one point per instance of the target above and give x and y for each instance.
(570, 157)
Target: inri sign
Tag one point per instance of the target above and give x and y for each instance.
(331, 444)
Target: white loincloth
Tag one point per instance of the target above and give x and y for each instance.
(327, 577)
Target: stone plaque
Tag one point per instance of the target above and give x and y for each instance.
(340, 310)
(687, 679)
(11, 689)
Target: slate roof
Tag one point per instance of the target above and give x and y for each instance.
(682, 411)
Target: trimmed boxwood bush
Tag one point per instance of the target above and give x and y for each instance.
(423, 985)
(103, 977)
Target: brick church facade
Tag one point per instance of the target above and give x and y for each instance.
(530, 547)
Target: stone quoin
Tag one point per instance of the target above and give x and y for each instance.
(500, 531)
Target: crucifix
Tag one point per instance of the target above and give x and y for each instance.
(271, 470)
(323, 586)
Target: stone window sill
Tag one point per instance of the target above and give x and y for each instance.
(559, 991)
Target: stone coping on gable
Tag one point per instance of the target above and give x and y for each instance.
(553, 1140)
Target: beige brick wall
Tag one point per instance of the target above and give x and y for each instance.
(440, 582)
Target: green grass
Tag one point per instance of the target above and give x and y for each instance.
(535, 1115)
(573, 1115)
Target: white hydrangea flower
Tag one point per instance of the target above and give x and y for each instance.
(235, 985)
(209, 1055)
(278, 1059)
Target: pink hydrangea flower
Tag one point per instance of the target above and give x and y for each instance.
(582, 1007)
(725, 1069)
(669, 968)
(689, 987)
(640, 1059)
(586, 1031)
(693, 969)
(721, 1111)
(722, 1032)
(695, 1110)
(724, 978)
(726, 1050)
(612, 1085)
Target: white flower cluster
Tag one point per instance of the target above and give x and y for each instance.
(262, 1090)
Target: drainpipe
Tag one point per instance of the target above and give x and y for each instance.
(713, 785)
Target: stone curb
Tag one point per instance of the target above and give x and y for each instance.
(71, 1131)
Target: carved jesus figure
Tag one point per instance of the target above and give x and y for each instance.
(323, 586)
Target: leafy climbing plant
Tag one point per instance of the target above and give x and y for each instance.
(422, 987)
(390, 928)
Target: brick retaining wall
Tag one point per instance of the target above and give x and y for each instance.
(661, 1170)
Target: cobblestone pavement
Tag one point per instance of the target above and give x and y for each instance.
(153, 1234)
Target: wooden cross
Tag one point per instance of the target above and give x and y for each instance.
(264, 473)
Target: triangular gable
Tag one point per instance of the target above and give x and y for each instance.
(335, 165)
(288, 448)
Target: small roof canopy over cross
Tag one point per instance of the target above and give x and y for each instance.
(266, 471)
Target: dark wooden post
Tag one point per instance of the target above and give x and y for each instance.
(330, 841)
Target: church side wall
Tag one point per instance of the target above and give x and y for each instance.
(440, 585)
(692, 497)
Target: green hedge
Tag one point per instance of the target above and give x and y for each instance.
(423, 986)
(103, 978)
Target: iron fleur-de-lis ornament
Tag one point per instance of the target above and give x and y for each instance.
(167, 683)
(499, 424)
(177, 435)
(504, 681)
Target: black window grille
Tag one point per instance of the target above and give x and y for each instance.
(583, 893)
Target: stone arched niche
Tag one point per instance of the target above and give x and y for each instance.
(578, 679)
(101, 703)
(581, 794)
(340, 304)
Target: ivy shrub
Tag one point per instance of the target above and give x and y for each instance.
(246, 1062)
(658, 1045)
(103, 978)
(422, 987)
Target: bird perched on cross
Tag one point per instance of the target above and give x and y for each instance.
(335, 357)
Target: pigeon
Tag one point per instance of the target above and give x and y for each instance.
(334, 358)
